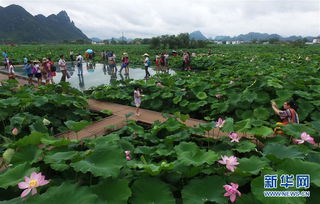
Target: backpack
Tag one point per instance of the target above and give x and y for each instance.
(149, 63)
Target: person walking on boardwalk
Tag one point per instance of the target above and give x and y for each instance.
(125, 63)
(137, 99)
(79, 64)
(288, 115)
(52, 69)
(63, 68)
(28, 69)
(147, 64)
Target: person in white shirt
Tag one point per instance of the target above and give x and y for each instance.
(63, 68)
(146, 64)
(11, 71)
(79, 60)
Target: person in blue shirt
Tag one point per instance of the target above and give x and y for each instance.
(25, 60)
(29, 71)
(6, 59)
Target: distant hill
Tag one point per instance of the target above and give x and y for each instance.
(19, 26)
(197, 35)
(94, 39)
(259, 36)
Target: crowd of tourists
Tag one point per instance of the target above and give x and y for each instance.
(44, 70)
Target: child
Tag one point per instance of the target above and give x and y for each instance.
(11, 71)
(137, 99)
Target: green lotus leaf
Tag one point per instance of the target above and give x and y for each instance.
(172, 124)
(262, 97)
(228, 125)
(33, 139)
(151, 190)
(249, 96)
(304, 108)
(315, 115)
(261, 113)
(257, 189)
(261, 131)
(166, 95)
(66, 193)
(282, 152)
(15, 174)
(181, 135)
(190, 154)
(243, 125)
(38, 126)
(39, 101)
(204, 190)
(245, 146)
(156, 104)
(57, 142)
(57, 160)
(297, 166)
(105, 161)
(252, 165)
(107, 112)
(304, 94)
(184, 103)
(196, 105)
(201, 95)
(285, 94)
(13, 201)
(275, 83)
(177, 99)
(180, 82)
(30, 154)
(247, 198)
(113, 191)
(77, 126)
(155, 169)
(12, 101)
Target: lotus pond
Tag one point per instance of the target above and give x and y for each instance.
(167, 162)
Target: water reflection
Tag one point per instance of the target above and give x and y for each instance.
(81, 82)
(96, 74)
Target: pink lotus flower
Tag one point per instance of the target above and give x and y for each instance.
(307, 58)
(230, 162)
(14, 131)
(128, 158)
(304, 138)
(218, 95)
(220, 123)
(32, 183)
(232, 191)
(234, 137)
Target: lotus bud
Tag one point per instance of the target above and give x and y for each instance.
(14, 131)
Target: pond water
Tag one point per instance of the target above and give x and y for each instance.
(95, 75)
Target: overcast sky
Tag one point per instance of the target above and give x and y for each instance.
(147, 18)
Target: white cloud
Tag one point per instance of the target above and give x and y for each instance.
(146, 18)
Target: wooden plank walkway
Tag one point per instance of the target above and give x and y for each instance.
(149, 117)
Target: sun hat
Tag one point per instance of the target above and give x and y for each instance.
(125, 53)
(145, 54)
(36, 61)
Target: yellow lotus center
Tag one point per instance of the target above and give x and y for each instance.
(33, 183)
